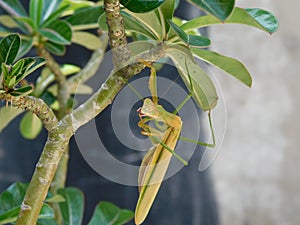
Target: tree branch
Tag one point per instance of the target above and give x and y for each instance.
(63, 93)
(36, 106)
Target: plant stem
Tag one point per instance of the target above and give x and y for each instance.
(36, 106)
(63, 93)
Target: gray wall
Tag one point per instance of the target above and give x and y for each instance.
(256, 174)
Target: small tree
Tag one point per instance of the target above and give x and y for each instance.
(49, 27)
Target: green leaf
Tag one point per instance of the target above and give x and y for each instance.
(140, 6)
(13, 7)
(58, 32)
(49, 7)
(10, 201)
(26, 22)
(148, 21)
(36, 11)
(25, 48)
(20, 67)
(134, 24)
(38, 62)
(22, 91)
(26, 66)
(9, 47)
(72, 207)
(55, 199)
(86, 39)
(48, 97)
(265, 19)
(7, 114)
(9, 216)
(54, 48)
(55, 15)
(229, 65)
(30, 126)
(193, 40)
(219, 8)
(86, 18)
(167, 10)
(8, 21)
(108, 213)
(198, 41)
(257, 18)
(195, 79)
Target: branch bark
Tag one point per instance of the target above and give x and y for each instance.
(36, 106)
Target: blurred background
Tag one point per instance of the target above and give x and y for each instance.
(256, 174)
(255, 178)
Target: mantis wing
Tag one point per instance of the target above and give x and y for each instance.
(152, 175)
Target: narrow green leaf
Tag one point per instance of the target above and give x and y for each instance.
(49, 7)
(229, 65)
(36, 11)
(221, 9)
(19, 68)
(22, 91)
(87, 40)
(30, 126)
(86, 18)
(9, 47)
(26, 66)
(8, 21)
(27, 21)
(108, 213)
(58, 32)
(7, 114)
(257, 18)
(54, 48)
(55, 15)
(38, 62)
(139, 6)
(198, 41)
(55, 199)
(192, 40)
(72, 207)
(167, 10)
(179, 31)
(203, 90)
(13, 7)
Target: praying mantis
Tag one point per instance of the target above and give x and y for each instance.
(164, 137)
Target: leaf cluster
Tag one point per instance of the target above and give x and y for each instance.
(71, 204)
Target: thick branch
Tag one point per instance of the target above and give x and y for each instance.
(36, 106)
(56, 144)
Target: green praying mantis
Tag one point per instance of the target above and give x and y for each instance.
(164, 136)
